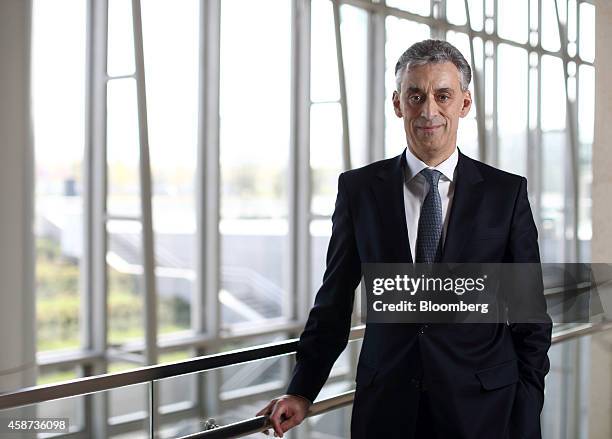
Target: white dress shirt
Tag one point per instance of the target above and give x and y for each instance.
(416, 188)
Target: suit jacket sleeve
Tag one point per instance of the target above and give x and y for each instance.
(328, 326)
(531, 339)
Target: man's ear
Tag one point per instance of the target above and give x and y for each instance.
(396, 104)
(467, 103)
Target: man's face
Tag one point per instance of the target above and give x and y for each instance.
(431, 102)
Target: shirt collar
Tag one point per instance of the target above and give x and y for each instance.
(416, 165)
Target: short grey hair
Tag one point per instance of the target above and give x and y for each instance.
(433, 51)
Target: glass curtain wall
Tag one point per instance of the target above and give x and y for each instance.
(265, 77)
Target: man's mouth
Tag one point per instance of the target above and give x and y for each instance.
(429, 129)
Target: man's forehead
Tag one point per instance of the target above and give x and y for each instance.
(437, 76)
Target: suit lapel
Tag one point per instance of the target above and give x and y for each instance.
(389, 194)
(468, 195)
(388, 191)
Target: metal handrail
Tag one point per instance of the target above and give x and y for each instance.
(81, 386)
(261, 423)
(99, 383)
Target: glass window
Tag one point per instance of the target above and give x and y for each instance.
(534, 91)
(587, 32)
(586, 103)
(255, 108)
(171, 64)
(125, 282)
(254, 147)
(323, 60)
(553, 94)
(58, 81)
(455, 13)
(555, 159)
(354, 28)
(421, 7)
(325, 156)
(512, 20)
(325, 111)
(243, 379)
(572, 22)
(179, 392)
(120, 38)
(476, 13)
(326, 142)
(123, 148)
(61, 373)
(586, 112)
(127, 403)
(550, 27)
(512, 87)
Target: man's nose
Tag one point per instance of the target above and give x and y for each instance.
(429, 109)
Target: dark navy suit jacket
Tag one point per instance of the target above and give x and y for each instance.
(485, 381)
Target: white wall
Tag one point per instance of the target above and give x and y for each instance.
(17, 306)
(600, 404)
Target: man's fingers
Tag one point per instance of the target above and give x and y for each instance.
(275, 418)
(267, 411)
(289, 423)
(283, 414)
(276, 426)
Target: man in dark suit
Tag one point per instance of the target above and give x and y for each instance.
(477, 381)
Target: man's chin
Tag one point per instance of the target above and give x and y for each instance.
(431, 143)
(430, 148)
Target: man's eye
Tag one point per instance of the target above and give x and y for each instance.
(443, 98)
(415, 99)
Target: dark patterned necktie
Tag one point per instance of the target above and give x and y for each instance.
(429, 234)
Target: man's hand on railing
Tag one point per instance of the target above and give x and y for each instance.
(285, 412)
